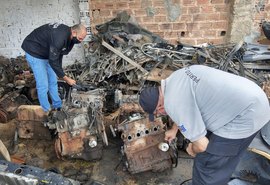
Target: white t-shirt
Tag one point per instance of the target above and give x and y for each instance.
(200, 98)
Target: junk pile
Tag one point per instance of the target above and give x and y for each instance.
(17, 86)
(123, 58)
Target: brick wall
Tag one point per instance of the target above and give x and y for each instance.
(187, 21)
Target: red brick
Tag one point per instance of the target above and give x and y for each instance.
(171, 34)
(109, 5)
(97, 5)
(202, 2)
(136, 5)
(151, 27)
(193, 10)
(186, 18)
(217, 1)
(212, 17)
(199, 17)
(122, 5)
(224, 16)
(184, 10)
(221, 25)
(140, 12)
(209, 33)
(148, 19)
(205, 25)
(158, 3)
(188, 2)
(207, 9)
(179, 26)
(167, 26)
(221, 8)
(159, 19)
(192, 26)
(195, 34)
(267, 8)
(161, 11)
(105, 13)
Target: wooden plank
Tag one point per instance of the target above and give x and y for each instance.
(108, 46)
(4, 152)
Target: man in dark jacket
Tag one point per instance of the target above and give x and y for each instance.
(44, 48)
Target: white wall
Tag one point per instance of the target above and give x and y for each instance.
(19, 17)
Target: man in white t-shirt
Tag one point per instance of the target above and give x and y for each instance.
(220, 113)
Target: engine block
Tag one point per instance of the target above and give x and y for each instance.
(141, 145)
(80, 126)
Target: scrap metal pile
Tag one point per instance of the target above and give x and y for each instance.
(123, 58)
(17, 86)
(80, 125)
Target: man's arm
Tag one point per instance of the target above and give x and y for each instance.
(171, 134)
(55, 61)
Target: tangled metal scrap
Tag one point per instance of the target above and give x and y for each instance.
(123, 58)
(16, 86)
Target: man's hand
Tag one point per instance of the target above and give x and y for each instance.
(171, 134)
(190, 150)
(70, 81)
(197, 146)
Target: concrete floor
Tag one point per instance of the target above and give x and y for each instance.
(109, 170)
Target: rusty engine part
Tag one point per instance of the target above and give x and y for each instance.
(143, 147)
(30, 120)
(9, 104)
(11, 173)
(80, 125)
(13, 74)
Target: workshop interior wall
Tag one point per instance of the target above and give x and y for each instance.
(19, 18)
(189, 21)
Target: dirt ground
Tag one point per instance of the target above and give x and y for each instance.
(108, 171)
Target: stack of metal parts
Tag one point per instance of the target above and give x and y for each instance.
(123, 54)
(14, 77)
(126, 57)
(80, 125)
(11, 173)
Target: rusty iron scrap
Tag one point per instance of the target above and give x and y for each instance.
(141, 140)
(80, 125)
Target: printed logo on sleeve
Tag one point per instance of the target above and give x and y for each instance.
(182, 128)
(191, 75)
(54, 24)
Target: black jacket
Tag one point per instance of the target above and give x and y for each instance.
(50, 41)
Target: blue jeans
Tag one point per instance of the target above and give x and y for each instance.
(46, 81)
